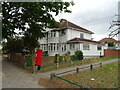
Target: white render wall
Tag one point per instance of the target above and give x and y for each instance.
(70, 34)
(93, 51)
(76, 34)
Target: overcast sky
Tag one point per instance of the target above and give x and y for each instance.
(94, 15)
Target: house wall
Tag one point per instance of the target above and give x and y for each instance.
(93, 51)
(63, 38)
(42, 41)
(111, 53)
(74, 33)
(87, 53)
(54, 39)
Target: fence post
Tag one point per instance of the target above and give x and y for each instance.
(34, 69)
(91, 67)
(57, 65)
(51, 76)
(100, 64)
(77, 70)
(71, 62)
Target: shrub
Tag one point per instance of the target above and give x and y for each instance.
(79, 55)
(45, 54)
(73, 57)
(61, 58)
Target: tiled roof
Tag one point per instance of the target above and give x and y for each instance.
(118, 41)
(81, 40)
(107, 40)
(66, 24)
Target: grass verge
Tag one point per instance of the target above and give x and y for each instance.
(76, 63)
(104, 77)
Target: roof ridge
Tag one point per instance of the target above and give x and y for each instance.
(66, 23)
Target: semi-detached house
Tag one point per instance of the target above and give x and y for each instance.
(70, 37)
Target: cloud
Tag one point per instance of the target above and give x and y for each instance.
(94, 15)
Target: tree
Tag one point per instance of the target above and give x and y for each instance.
(14, 45)
(36, 15)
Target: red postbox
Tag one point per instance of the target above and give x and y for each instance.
(38, 58)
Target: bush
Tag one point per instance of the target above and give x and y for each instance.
(61, 58)
(45, 54)
(73, 57)
(79, 55)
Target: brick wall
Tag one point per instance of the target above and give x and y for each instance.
(18, 58)
(111, 53)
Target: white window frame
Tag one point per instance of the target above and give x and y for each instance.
(81, 35)
(98, 46)
(86, 46)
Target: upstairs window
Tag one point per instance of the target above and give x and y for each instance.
(51, 34)
(86, 47)
(54, 34)
(81, 35)
(62, 33)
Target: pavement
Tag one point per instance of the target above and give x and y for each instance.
(15, 77)
(47, 74)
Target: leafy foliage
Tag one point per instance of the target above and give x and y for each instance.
(73, 57)
(13, 46)
(79, 55)
(111, 44)
(35, 15)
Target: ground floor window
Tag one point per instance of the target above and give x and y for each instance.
(72, 46)
(86, 47)
(99, 47)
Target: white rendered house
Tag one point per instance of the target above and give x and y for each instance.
(70, 37)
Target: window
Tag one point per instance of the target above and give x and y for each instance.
(57, 47)
(64, 47)
(48, 34)
(54, 34)
(62, 32)
(54, 46)
(44, 47)
(51, 47)
(81, 35)
(86, 47)
(99, 47)
(51, 34)
(72, 46)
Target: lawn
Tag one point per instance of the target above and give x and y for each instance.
(100, 77)
(75, 63)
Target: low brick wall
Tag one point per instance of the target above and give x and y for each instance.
(47, 60)
(18, 58)
(111, 53)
